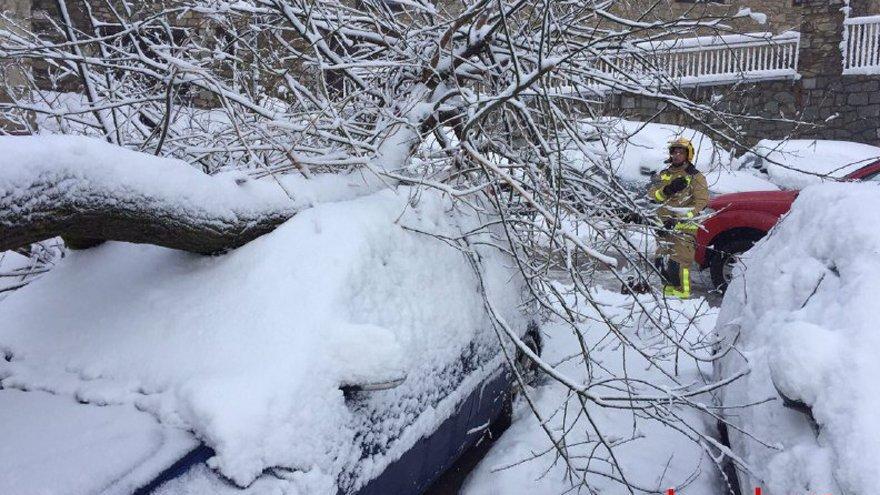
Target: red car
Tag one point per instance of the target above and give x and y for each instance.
(741, 219)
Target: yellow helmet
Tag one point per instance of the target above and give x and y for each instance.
(686, 144)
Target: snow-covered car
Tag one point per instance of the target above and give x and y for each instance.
(803, 316)
(351, 350)
(637, 150)
(739, 220)
(797, 163)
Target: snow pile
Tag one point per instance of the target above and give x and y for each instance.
(248, 350)
(805, 305)
(654, 457)
(797, 163)
(758, 17)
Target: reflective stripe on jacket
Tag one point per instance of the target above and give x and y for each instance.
(692, 199)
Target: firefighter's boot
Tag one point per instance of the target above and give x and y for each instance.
(683, 289)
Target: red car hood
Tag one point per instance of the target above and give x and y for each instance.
(751, 199)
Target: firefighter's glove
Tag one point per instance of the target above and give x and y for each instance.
(675, 186)
(633, 217)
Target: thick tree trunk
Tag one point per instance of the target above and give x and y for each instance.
(131, 219)
(87, 191)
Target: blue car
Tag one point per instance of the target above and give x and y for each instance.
(485, 411)
(347, 352)
(118, 449)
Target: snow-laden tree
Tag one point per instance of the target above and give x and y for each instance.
(485, 100)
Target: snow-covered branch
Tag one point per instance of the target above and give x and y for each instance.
(80, 188)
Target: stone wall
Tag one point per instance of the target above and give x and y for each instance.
(864, 7)
(849, 111)
(821, 104)
(851, 102)
(781, 14)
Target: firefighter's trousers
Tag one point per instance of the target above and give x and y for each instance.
(675, 253)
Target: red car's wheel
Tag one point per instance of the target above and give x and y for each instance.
(726, 256)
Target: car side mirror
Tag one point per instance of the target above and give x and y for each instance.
(350, 389)
(797, 405)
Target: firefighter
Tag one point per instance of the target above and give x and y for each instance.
(682, 193)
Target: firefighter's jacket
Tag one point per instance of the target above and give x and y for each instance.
(684, 205)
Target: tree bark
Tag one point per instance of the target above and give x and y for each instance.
(78, 211)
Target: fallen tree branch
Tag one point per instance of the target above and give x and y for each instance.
(84, 189)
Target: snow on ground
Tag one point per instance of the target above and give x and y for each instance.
(248, 349)
(805, 308)
(150, 327)
(655, 457)
(797, 163)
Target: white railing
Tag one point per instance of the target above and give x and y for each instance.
(730, 58)
(712, 59)
(695, 61)
(861, 45)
